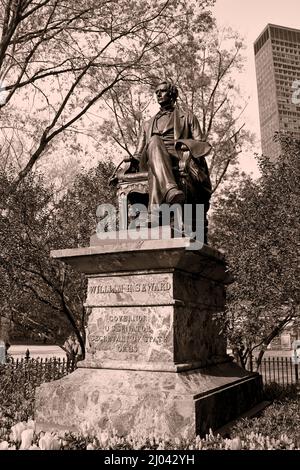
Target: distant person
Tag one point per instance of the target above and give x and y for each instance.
(72, 348)
(27, 354)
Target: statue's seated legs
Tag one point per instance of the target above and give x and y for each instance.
(162, 183)
(165, 170)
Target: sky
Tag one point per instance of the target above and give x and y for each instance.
(249, 18)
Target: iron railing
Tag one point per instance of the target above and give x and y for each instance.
(281, 370)
(41, 369)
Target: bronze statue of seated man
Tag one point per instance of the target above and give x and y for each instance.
(168, 139)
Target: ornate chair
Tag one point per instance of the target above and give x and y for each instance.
(133, 187)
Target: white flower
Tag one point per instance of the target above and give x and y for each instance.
(104, 438)
(49, 442)
(26, 439)
(4, 445)
(236, 444)
(90, 447)
(84, 428)
(16, 431)
(161, 446)
(31, 424)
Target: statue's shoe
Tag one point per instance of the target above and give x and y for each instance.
(175, 196)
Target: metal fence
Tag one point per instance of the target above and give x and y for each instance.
(281, 370)
(41, 370)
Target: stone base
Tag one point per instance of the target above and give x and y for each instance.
(163, 404)
(156, 361)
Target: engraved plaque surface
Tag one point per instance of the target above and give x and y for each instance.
(141, 334)
(155, 289)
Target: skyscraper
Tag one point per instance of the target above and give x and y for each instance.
(277, 59)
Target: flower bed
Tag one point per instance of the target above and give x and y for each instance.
(276, 428)
(22, 436)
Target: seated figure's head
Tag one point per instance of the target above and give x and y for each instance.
(166, 93)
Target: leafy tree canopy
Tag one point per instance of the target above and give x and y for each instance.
(39, 295)
(258, 227)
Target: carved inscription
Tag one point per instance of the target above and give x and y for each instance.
(135, 287)
(125, 333)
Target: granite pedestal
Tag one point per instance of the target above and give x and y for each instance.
(155, 359)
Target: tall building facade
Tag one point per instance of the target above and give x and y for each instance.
(277, 60)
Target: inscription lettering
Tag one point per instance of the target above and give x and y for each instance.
(119, 328)
(127, 318)
(132, 348)
(125, 332)
(125, 288)
(126, 339)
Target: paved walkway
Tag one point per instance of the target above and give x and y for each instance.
(18, 351)
(55, 351)
(272, 353)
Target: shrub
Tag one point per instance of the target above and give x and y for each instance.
(281, 418)
(16, 394)
(274, 391)
(18, 382)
